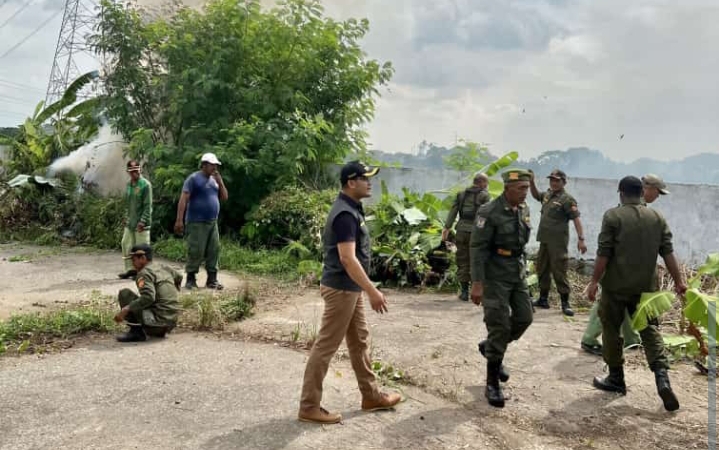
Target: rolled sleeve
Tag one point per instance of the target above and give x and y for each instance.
(570, 208)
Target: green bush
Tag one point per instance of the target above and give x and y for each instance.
(48, 215)
(290, 215)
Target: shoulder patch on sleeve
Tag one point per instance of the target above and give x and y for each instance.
(140, 283)
(480, 221)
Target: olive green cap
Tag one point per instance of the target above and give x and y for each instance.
(510, 176)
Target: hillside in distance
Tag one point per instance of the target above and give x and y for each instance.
(580, 162)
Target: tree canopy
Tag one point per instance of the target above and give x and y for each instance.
(277, 94)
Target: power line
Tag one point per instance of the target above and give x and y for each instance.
(27, 3)
(42, 25)
(78, 19)
(18, 86)
(3, 96)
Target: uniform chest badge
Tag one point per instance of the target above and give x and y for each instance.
(137, 190)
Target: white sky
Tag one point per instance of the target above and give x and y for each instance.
(524, 75)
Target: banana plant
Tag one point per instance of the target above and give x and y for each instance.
(698, 308)
(72, 124)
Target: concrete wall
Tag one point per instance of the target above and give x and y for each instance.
(692, 211)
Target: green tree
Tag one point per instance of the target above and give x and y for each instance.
(469, 157)
(277, 94)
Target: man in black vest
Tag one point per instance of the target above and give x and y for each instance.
(347, 249)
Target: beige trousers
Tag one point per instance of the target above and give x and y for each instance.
(343, 318)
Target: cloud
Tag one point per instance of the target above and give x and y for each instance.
(583, 73)
(525, 75)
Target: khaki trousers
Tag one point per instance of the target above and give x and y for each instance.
(130, 238)
(343, 318)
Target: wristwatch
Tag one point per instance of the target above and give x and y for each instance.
(581, 238)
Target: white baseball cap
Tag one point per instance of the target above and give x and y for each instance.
(210, 158)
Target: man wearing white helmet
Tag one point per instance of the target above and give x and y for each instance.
(199, 208)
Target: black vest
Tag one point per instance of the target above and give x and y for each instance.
(334, 274)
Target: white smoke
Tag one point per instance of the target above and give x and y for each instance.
(100, 163)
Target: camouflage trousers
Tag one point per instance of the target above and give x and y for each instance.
(552, 262)
(612, 311)
(130, 238)
(507, 315)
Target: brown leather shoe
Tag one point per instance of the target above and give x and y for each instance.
(319, 415)
(385, 401)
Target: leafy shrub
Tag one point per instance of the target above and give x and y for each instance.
(288, 215)
(45, 215)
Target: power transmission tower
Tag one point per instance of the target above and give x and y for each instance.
(77, 22)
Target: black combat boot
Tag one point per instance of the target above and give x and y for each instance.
(134, 334)
(664, 388)
(565, 305)
(493, 391)
(129, 274)
(543, 301)
(191, 282)
(612, 383)
(212, 282)
(503, 374)
(464, 294)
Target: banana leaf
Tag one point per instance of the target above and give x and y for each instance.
(697, 309)
(499, 164)
(651, 306)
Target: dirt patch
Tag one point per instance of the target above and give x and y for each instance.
(229, 391)
(433, 339)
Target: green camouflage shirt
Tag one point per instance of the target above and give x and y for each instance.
(632, 237)
(498, 240)
(558, 208)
